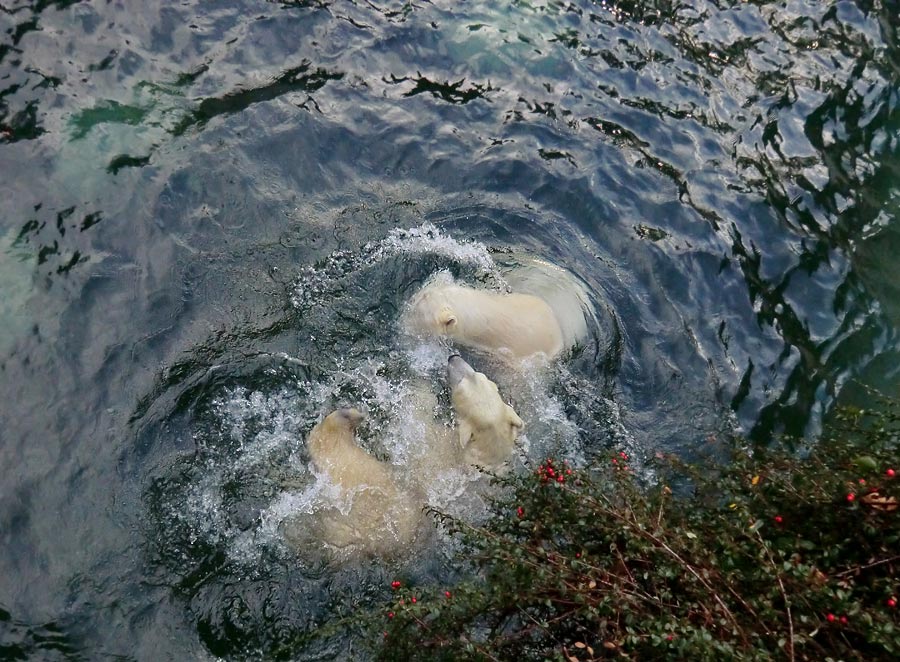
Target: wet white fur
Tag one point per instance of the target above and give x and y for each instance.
(374, 512)
(382, 516)
(487, 426)
(516, 325)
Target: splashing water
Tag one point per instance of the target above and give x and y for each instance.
(256, 472)
(315, 282)
(428, 239)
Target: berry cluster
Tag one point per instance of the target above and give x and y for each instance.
(620, 462)
(872, 497)
(548, 472)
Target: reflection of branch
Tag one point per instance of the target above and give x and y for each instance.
(450, 92)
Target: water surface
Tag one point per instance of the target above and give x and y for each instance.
(212, 213)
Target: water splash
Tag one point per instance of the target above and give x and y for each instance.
(314, 283)
(429, 239)
(256, 475)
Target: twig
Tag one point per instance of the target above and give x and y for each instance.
(787, 602)
(678, 558)
(850, 571)
(662, 502)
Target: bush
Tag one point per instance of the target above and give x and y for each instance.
(781, 553)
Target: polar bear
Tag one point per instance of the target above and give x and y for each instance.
(379, 515)
(515, 325)
(487, 426)
(484, 432)
(374, 512)
(519, 325)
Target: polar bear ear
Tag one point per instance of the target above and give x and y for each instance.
(446, 318)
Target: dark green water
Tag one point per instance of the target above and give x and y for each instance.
(199, 255)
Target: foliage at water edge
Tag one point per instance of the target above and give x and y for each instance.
(784, 552)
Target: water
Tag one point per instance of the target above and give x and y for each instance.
(213, 213)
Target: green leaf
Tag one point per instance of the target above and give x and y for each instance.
(866, 462)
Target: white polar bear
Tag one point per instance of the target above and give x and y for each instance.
(517, 326)
(488, 427)
(378, 515)
(373, 513)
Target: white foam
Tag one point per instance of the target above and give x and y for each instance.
(428, 239)
(428, 356)
(314, 282)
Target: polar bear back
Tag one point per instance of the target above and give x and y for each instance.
(517, 324)
(563, 291)
(375, 514)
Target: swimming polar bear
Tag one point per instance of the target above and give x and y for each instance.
(373, 512)
(515, 325)
(487, 426)
(379, 516)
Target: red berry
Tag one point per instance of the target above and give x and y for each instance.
(623, 456)
(447, 593)
(395, 584)
(577, 555)
(891, 603)
(615, 461)
(890, 473)
(414, 600)
(560, 479)
(843, 620)
(862, 481)
(851, 497)
(390, 614)
(830, 618)
(778, 519)
(519, 511)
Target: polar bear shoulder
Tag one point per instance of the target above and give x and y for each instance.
(518, 324)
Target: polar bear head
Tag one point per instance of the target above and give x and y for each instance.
(431, 311)
(336, 430)
(488, 427)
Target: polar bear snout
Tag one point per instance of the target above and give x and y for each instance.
(457, 370)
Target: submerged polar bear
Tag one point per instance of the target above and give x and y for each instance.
(518, 325)
(374, 513)
(380, 516)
